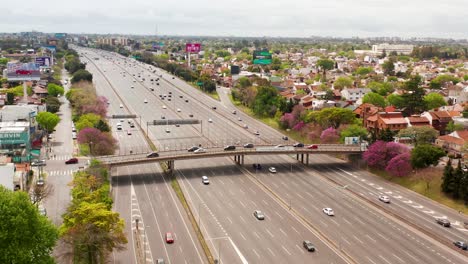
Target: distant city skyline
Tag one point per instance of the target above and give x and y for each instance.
(243, 18)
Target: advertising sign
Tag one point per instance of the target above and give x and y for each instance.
(351, 140)
(60, 35)
(13, 137)
(52, 48)
(23, 72)
(43, 61)
(262, 57)
(192, 47)
(235, 69)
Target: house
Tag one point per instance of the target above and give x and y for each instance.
(354, 94)
(417, 121)
(366, 110)
(439, 120)
(454, 142)
(393, 121)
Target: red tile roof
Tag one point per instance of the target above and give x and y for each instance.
(452, 139)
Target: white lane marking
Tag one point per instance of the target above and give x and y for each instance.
(284, 233)
(333, 220)
(300, 249)
(268, 231)
(278, 214)
(229, 219)
(255, 233)
(382, 236)
(370, 260)
(380, 256)
(271, 252)
(242, 236)
(428, 211)
(243, 205)
(371, 238)
(411, 255)
(402, 261)
(289, 253)
(345, 240)
(256, 253)
(295, 229)
(346, 220)
(244, 261)
(355, 237)
(242, 218)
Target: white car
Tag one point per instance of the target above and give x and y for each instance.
(210, 120)
(272, 169)
(200, 150)
(384, 198)
(205, 180)
(164, 107)
(178, 110)
(328, 211)
(121, 105)
(145, 101)
(279, 146)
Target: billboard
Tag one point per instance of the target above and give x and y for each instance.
(43, 61)
(23, 72)
(235, 69)
(52, 48)
(60, 35)
(192, 47)
(262, 57)
(352, 140)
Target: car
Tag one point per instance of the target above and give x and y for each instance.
(152, 89)
(168, 130)
(186, 101)
(173, 78)
(210, 120)
(169, 99)
(164, 107)
(121, 105)
(272, 169)
(313, 147)
(199, 150)
(38, 163)
(328, 211)
(234, 112)
(152, 155)
(169, 238)
(169, 93)
(384, 198)
(205, 180)
(121, 120)
(257, 133)
(157, 83)
(132, 86)
(177, 125)
(257, 166)
(213, 107)
(298, 145)
(160, 261)
(443, 222)
(248, 145)
(40, 182)
(163, 117)
(285, 138)
(145, 101)
(72, 161)
(259, 215)
(308, 245)
(132, 124)
(230, 147)
(178, 110)
(181, 96)
(42, 210)
(461, 245)
(49, 136)
(279, 146)
(192, 149)
(129, 132)
(239, 118)
(246, 126)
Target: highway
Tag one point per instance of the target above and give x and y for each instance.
(142, 192)
(237, 191)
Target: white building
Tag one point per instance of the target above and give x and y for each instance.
(398, 48)
(7, 172)
(354, 94)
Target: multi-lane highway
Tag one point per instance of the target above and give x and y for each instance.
(292, 199)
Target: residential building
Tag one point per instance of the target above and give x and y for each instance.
(454, 142)
(439, 120)
(7, 173)
(388, 48)
(354, 94)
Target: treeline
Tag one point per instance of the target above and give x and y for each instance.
(90, 226)
(429, 52)
(455, 181)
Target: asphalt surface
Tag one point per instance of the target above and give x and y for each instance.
(234, 193)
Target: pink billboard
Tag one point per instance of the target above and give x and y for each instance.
(192, 47)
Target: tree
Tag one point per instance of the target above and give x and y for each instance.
(47, 120)
(389, 67)
(87, 120)
(396, 100)
(54, 89)
(353, 131)
(447, 178)
(362, 71)
(451, 126)
(413, 96)
(52, 104)
(376, 154)
(331, 117)
(425, 155)
(39, 193)
(10, 98)
(457, 179)
(386, 135)
(26, 236)
(100, 143)
(343, 82)
(325, 65)
(399, 165)
(375, 99)
(329, 135)
(434, 100)
(442, 80)
(420, 135)
(102, 126)
(82, 75)
(267, 101)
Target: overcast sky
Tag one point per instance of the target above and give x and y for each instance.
(287, 18)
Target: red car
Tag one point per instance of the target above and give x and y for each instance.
(169, 238)
(72, 161)
(312, 147)
(22, 72)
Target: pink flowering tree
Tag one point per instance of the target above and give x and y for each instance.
(99, 107)
(375, 156)
(400, 165)
(100, 143)
(329, 135)
(299, 126)
(288, 120)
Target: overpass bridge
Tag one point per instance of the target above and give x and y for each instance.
(169, 157)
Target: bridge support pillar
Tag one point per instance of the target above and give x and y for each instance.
(242, 160)
(302, 158)
(297, 156)
(307, 159)
(170, 166)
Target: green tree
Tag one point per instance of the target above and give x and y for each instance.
(447, 178)
(434, 100)
(54, 89)
(87, 120)
(10, 98)
(102, 126)
(443, 79)
(82, 75)
(451, 126)
(325, 65)
(457, 179)
(463, 188)
(47, 120)
(353, 131)
(375, 99)
(26, 236)
(267, 101)
(386, 135)
(52, 104)
(389, 67)
(425, 155)
(420, 135)
(363, 71)
(413, 96)
(343, 82)
(396, 100)
(332, 117)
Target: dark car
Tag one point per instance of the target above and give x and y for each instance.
(285, 138)
(257, 166)
(249, 145)
(213, 107)
(152, 155)
(230, 147)
(72, 161)
(192, 149)
(186, 101)
(443, 222)
(461, 244)
(308, 245)
(298, 145)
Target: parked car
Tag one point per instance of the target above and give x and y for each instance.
(230, 147)
(248, 145)
(259, 215)
(328, 211)
(145, 101)
(160, 261)
(205, 180)
(38, 163)
(257, 166)
(461, 245)
(169, 238)
(72, 161)
(40, 182)
(192, 149)
(298, 145)
(272, 169)
(308, 245)
(443, 222)
(152, 155)
(384, 198)
(129, 132)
